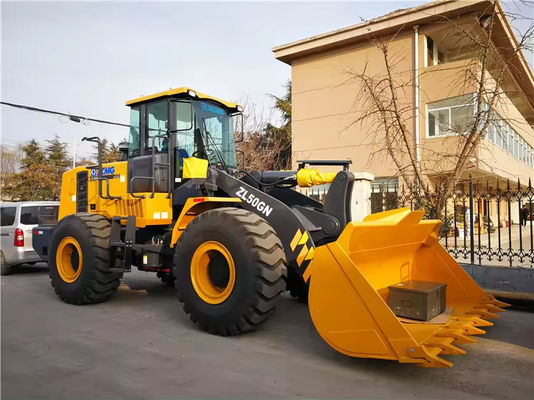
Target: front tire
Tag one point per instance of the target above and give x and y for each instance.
(230, 269)
(79, 260)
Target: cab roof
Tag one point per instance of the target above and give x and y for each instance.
(181, 90)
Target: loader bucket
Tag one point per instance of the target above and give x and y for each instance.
(349, 281)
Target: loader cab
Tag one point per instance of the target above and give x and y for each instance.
(167, 127)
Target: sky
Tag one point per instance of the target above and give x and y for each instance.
(88, 58)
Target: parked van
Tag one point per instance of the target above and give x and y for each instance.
(16, 223)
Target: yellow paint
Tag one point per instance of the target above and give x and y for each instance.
(309, 256)
(144, 209)
(194, 206)
(295, 240)
(200, 277)
(306, 274)
(307, 177)
(195, 168)
(68, 272)
(180, 90)
(304, 238)
(302, 255)
(349, 291)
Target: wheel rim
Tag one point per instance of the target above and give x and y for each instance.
(213, 272)
(69, 259)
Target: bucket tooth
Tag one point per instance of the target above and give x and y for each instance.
(432, 360)
(482, 313)
(457, 334)
(468, 327)
(498, 303)
(491, 308)
(477, 321)
(445, 344)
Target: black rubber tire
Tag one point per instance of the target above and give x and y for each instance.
(5, 268)
(96, 282)
(260, 270)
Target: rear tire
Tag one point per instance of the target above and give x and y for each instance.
(5, 268)
(230, 269)
(79, 260)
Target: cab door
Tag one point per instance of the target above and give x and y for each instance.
(149, 164)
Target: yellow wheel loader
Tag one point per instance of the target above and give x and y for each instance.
(231, 241)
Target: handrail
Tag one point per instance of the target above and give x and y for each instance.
(100, 177)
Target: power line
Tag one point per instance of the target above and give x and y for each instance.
(72, 117)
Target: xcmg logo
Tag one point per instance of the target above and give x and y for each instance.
(105, 171)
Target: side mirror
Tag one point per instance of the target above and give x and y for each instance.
(239, 129)
(123, 149)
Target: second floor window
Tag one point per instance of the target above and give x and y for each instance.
(451, 116)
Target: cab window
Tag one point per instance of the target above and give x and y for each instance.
(134, 142)
(157, 118)
(185, 139)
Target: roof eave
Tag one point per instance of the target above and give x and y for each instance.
(382, 25)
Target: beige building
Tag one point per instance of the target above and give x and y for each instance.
(433, 57)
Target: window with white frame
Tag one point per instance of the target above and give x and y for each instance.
(451, 116)
(456, 115)
(501, 133)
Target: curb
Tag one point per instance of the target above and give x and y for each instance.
(513, 285)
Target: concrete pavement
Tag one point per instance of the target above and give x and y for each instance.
(141, 345)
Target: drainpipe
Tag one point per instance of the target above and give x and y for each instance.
(416, 96)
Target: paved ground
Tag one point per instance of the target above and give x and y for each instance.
(141, 345)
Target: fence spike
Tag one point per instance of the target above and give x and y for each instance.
(518, 184)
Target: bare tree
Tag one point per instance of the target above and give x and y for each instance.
(265, 146)
(385, 105)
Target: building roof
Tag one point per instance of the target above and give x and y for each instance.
(392, 21)
(181, 90)
(408, 18)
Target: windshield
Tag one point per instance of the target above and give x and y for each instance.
(220, 128)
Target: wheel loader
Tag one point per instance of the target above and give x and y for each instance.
(231, 241)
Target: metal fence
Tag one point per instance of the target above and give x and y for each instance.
(482, 224)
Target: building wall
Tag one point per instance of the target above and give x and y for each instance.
(437, 83)
(448, 80)
(326, 105)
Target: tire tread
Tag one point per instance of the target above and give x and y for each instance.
(104, 282)
(270, 270)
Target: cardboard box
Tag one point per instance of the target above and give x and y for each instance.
(418, 300)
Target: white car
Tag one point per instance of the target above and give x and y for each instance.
(16, 223)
